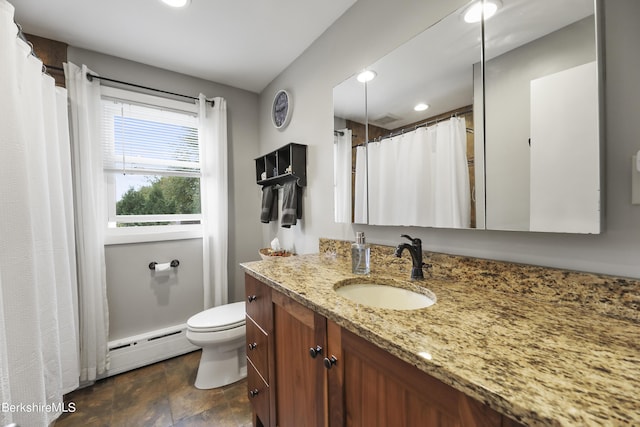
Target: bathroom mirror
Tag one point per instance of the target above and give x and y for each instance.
(400, 186)
(542, 117)
(552, 186)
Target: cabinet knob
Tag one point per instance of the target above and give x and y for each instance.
(252, 298)
(253, 345)
(313, 352)
(254, 392)
(329, 362)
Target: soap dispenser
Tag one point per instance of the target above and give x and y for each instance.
(360, 254)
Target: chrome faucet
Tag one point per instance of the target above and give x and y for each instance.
(415, 249)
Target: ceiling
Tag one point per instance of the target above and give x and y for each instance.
(240, 43)
(436, 66)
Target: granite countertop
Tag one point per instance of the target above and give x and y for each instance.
(543, 346)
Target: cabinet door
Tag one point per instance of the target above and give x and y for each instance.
(300, 379)
(381, 390)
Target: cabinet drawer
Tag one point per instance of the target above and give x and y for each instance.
(258, 349)
(258, 302)
(258, 394)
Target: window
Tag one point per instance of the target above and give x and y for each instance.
(151, 161)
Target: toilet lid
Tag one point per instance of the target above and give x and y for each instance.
(222, 317)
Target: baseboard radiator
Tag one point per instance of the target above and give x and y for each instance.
(148, 348)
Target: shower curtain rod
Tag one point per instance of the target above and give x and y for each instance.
(427, 123)
(52, 67)
(23, 37)
(90, 76)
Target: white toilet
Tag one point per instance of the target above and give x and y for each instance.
(220, 331)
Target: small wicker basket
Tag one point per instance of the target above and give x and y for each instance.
(268, 253)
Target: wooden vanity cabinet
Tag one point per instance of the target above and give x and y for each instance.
(320, 374)
(378, 389)
(286, 384)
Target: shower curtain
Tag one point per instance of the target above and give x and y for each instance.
(420, 178)
(38, 345)
(215, 199)
(342, 176)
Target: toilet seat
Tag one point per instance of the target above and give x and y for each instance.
(220, 318)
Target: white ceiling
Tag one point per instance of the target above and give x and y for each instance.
(436, 66)
(241, 43)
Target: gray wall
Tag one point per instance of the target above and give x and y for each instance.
(370, 29)
(141, 300)
(124, 277)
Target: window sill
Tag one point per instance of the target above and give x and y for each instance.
(127, 235)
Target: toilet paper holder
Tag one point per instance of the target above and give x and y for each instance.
(174, 264)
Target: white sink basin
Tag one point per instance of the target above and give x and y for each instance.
(385, 296)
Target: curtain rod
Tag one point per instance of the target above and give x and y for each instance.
(427, 123)
(90, 77)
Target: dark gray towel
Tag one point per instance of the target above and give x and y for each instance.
(291, 204)
(269, 211)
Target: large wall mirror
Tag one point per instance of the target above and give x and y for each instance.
(511, 142)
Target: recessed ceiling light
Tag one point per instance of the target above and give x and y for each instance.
(366, 76)
(473, 13)
(421, 106)
(177, 3)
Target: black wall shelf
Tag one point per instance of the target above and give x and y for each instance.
(284, 164)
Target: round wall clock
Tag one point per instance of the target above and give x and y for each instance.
(281, 109)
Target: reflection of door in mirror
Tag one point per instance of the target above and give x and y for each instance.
(564, 192)
(530, 187)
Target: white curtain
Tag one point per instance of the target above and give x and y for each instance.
(38, 357)
(421, 177)
(88, 180)
(451, 187)
(214, 199)
(342, 166)
(361, 203)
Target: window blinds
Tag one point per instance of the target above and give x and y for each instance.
(143, 139)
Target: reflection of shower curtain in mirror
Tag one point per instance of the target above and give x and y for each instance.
(421, 178)
(342, 166)
(360, 215)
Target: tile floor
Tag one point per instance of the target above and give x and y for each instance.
(158, 395)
